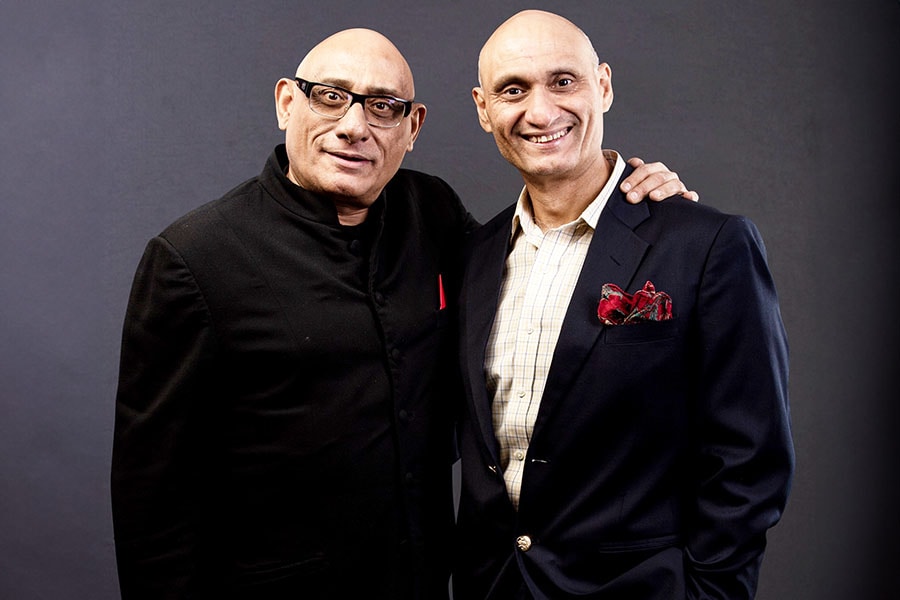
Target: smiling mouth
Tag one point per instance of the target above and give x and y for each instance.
(543, 139)
(350, 157)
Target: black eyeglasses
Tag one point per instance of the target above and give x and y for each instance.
(333, 102)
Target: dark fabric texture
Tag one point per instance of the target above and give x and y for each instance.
(283, 425)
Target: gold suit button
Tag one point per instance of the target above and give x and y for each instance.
(523, 542)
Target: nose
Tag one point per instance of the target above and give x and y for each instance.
(353, 125)
(541, 109)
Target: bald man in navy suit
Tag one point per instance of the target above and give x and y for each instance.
(626, 432)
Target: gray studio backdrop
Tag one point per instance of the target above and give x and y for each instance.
(118, 116)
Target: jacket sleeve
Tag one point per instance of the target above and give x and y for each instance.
(156, 449)
(744, 456)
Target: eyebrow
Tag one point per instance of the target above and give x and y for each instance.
(375, 91)
(507, 80)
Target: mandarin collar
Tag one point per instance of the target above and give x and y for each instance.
(300, 201)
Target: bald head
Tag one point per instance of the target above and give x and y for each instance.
(530, 25)
(359, 51)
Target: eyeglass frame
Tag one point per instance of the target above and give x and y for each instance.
(306, 87)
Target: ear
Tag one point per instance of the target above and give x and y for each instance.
(604, 78)
(416, 119)
(284, 98)
(480, 99)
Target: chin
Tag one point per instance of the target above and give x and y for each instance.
(547, 170)
(351, 185)
(361, 195)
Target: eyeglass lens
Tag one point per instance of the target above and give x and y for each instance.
(335, 102)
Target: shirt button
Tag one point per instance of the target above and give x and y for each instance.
(523, 543)
(379, 297)
(403, 415)
(519, 454)
(521, 394)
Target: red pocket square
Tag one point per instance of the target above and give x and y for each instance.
(618, 308)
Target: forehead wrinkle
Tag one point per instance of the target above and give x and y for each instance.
(348, 85)
(512, 74)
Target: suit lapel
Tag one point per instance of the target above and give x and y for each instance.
(613, 257)
(482, 293)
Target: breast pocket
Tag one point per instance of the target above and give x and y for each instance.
(643, 332)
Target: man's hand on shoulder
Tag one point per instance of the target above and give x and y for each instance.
(654, 181)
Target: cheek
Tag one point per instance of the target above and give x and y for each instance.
(504, 121)
(296, 139)
(394, 147)
(304, 132)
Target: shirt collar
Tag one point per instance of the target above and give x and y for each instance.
(523, 218)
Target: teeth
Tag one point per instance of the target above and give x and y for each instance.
(548, 138)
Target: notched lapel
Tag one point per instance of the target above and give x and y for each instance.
(613, 257)
(482, 283)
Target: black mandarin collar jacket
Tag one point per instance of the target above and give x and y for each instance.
(283, 423)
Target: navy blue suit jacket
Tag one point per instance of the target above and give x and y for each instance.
(661, 452)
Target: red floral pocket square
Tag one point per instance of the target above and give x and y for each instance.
(618, 308)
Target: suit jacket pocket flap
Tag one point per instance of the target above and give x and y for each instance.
(642, 332)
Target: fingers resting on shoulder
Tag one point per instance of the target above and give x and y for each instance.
(654, 181)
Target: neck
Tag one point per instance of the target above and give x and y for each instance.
(351, 215)
(555, 202)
